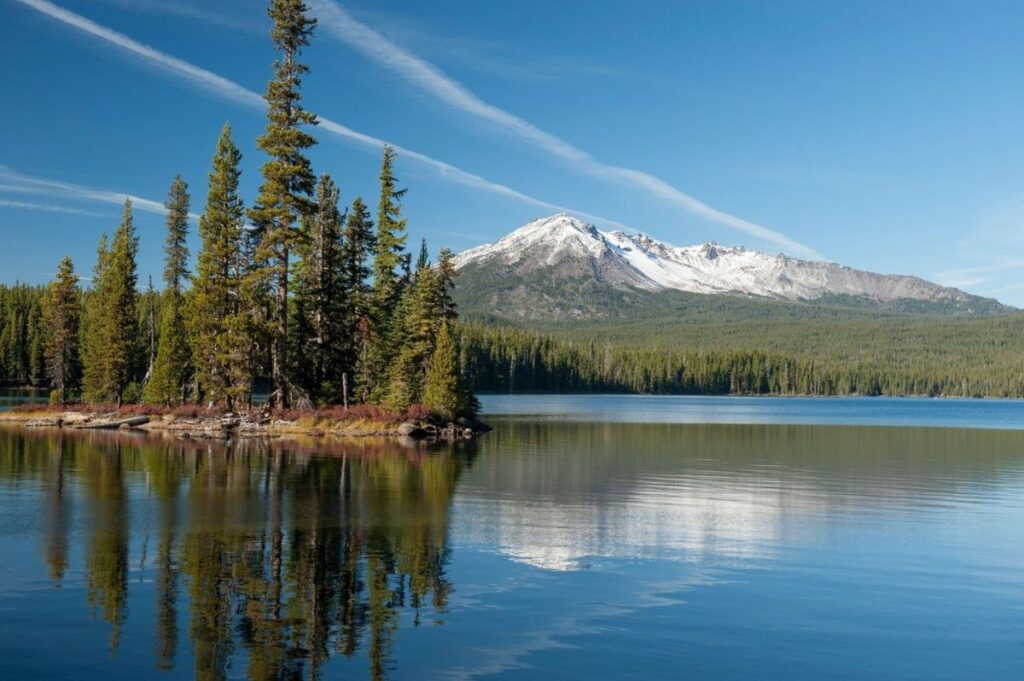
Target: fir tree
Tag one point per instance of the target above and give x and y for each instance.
(402, 374)
(391, 238)
(218, 320)
(358, 244)
(389, 261)
(446, 275)
(168, 381)
(288, 179)
(319, 303)
(92, 342)
(148, 326)
(423, 261)
(61, 314)
(119, 299)
(443, 392)
(414, 333)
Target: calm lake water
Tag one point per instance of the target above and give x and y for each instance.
(586, 537)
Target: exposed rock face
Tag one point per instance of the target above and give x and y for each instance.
(565, 249)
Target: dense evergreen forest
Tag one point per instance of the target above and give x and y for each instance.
(932, 356)
(313, 303)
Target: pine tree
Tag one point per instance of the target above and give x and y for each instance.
(443, 392)
(402, 374)
(118, 303)
(218, 322)
(389, 261)
(92, 342)
(446, 274)
(288, 179)
(61, 314)
(358, 244)
(320, 300)
(414, 333)
(168, 381)
(391, 238)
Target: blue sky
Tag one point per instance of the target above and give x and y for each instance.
(884, 135)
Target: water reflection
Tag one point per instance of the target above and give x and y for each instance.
(556, 495)
(547, 550)
(281, 558)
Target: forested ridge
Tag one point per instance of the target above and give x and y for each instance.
(884, 356)
(977, 357)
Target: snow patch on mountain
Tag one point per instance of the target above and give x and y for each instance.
(638, 261)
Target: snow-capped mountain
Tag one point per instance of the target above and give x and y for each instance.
(563, 247)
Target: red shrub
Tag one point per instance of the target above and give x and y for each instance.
(419, 412)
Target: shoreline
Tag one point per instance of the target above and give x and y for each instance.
(244, 425)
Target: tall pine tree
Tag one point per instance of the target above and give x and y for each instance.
(288, 179)
(61, 314)
(388, 279)
(389, 253)
(320, 300)
(117, 322)
(218, 316)
(168, 382)
(92, 341)
(358, 245)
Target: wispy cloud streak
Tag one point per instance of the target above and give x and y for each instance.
(217, 86)
(435, 82)
(27, 184)
(27, 205)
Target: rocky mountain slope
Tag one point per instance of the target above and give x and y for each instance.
(560, 266)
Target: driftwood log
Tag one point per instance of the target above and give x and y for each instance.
(116, 423)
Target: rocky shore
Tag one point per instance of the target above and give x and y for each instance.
(260, 423)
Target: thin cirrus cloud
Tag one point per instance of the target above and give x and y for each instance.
(435, 82)
(16, 182)
(217, 86)
(48, 208)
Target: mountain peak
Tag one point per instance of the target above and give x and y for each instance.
(563, 248)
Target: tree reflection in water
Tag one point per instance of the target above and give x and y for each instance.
(281, 555)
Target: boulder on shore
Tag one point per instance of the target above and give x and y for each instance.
(411, 430)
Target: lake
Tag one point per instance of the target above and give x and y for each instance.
(585, 537)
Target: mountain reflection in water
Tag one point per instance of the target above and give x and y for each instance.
(542, 550)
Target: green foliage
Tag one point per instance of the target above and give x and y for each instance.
(443, 393)
(386, 331)
(903, 356)
(391, 238)
(168, 382)
(319, 319)
(61, 320)
(424, 310)
(218, 323)
(92, 327)
(288, 180)
(112, 326)
(21, 334)
(121, 300)
(358, 244)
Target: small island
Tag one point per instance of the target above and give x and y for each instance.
(191, 421)
(320, 307)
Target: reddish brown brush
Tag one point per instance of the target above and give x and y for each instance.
(336, 413)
